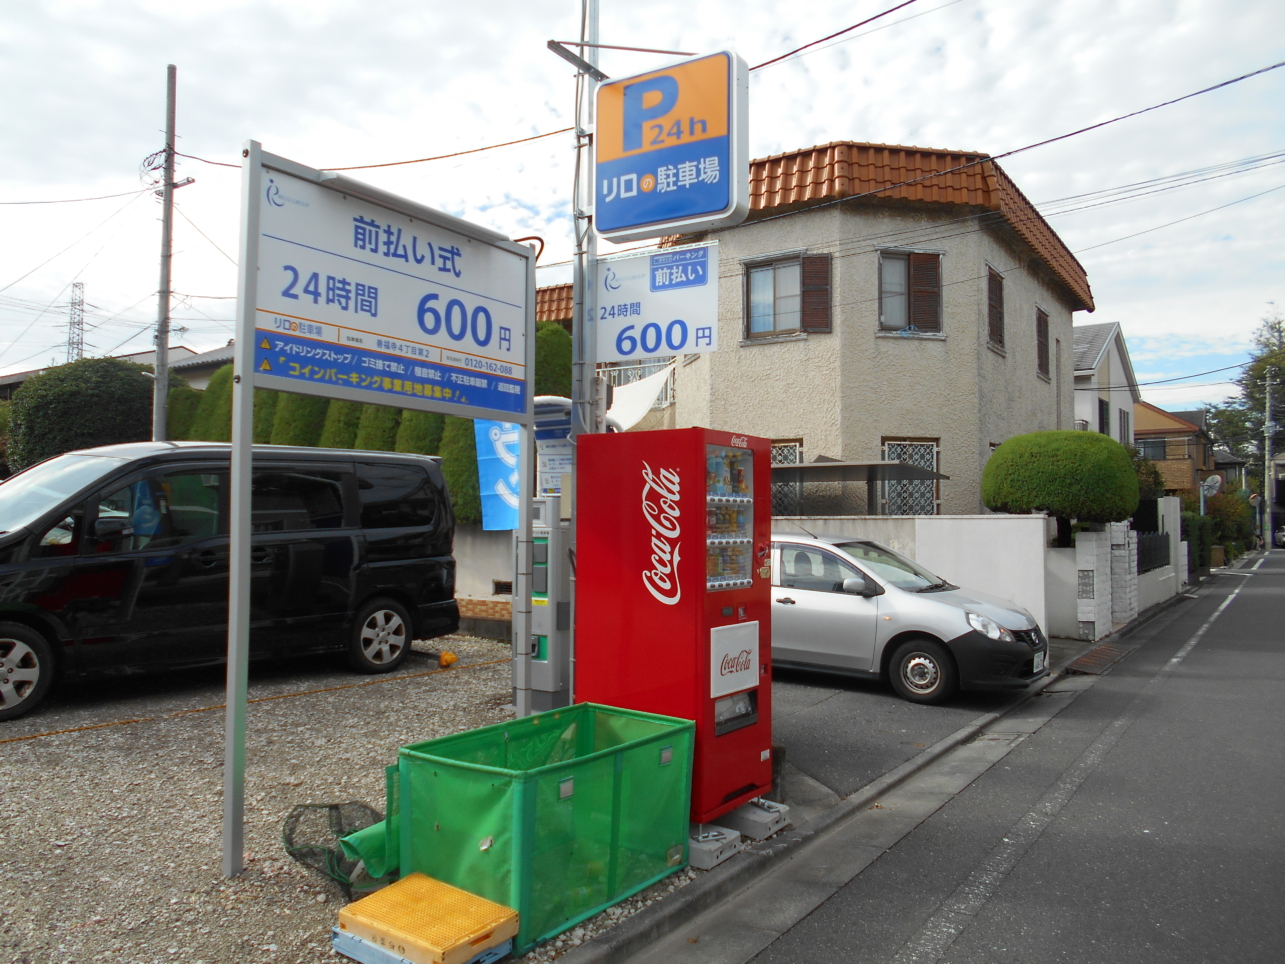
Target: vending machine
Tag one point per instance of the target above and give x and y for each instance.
(673, 605)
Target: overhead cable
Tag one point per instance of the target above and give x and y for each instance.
(838, 33)
(75, 200)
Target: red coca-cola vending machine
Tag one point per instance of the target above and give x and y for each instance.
(673, 606)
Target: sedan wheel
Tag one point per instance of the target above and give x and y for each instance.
(382, 638)
(922, 671)
(26, 670)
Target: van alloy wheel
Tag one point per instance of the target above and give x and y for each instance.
(19, 672)
(383, 636)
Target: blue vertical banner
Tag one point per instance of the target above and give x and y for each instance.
(498, 476)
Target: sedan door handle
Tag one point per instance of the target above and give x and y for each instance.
(786, 601)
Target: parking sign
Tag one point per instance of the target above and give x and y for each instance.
(671, 150)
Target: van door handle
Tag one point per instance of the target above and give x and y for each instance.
(786, 601)
(207, 557)
(259, 554)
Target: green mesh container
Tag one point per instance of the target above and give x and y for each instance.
(557, 815)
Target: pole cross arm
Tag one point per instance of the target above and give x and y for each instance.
(577, 61)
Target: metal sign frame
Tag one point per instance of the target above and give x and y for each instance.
(255, 162)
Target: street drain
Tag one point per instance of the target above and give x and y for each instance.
(1096, 661)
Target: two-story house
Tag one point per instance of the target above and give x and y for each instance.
(1106, 390)
(887, 303)
(1178, 442)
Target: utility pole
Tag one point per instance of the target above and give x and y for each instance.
(1269, 483)
(161, 386)
(584, 391)
(76, 323)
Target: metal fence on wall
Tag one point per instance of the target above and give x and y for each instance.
(1153, 551)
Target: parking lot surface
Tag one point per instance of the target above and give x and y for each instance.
(110, 836)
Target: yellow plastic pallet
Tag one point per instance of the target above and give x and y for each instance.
(426, 921)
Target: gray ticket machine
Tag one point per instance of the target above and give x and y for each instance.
(550, 646)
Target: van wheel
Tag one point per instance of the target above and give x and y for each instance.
(923, 671)
(26, 669)
(381, 637)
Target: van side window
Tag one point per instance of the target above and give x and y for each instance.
(62, 539)
(803, 567)
(396, 496)
(159, 512)
(290, 498)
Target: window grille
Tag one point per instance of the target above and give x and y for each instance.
(786, 495)
(918, 497)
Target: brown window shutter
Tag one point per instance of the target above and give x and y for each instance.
(815, 271)
(1041, 341)
(995, 299)
(925, 292)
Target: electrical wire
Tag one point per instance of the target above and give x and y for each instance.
(839, 33)
(1180, 220)
(203, 160)
(75, 200)
(204, 235)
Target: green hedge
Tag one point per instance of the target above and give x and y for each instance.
(377, 430)
(340, 428)
(94, 401)
(420, 433)
(459, 466)
(1198, 533)
(299, 419)
(180, 411)
(213, 421)
(552, 359)
(265, 413)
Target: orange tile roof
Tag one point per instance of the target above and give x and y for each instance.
(554, 303)
(844, 169)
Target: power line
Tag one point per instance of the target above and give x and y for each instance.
(75, 200)
(838, 33)
(1180, 220)
(204, 235)
(441, 157)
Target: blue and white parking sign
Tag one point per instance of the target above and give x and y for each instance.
(670, 150)
(653, 305)
(498, 475)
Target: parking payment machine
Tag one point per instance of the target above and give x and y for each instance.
(550, 644)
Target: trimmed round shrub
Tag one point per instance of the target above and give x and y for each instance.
(1085, 476)
(299, 419)
(340, 428)
(459, 466)
(420, 433)
(94, 401)
(377, 431)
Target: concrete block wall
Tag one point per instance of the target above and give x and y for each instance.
(1093, 584)
(1124, 572)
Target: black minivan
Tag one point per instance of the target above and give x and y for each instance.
(114, 561)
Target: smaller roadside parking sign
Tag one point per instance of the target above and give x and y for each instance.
(658, 304)
(670, 150)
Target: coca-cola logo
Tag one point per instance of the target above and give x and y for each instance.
(735, 663)
(740, 441)
(660, 497)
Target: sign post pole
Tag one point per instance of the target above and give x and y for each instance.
(239, 523)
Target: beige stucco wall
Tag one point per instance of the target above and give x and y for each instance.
(844, 392)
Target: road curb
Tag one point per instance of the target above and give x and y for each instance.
(646, 927)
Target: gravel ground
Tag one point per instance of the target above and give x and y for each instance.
(110, 835)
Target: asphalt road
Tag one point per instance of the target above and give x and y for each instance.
(1143, 822)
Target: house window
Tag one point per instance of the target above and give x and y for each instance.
(1152, 448)
(1041, 342)
(774, 294)
(909, 292)
(1125, 435)
(995, 307)
(788, 296)
(1104, 416)
(912, 497)
(786, 495)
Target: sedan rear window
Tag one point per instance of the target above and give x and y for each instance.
(27, 496)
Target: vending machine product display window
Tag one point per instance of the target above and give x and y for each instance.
(658, 631)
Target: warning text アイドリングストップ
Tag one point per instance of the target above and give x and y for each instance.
(390, 373)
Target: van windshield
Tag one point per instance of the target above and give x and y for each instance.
(892, 566)
(27, 496)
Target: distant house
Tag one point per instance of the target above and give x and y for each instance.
(11, 383)
(1232, 468)
(1106, 389)
(197, 369)
(1178, 442)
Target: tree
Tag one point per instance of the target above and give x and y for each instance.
(180, 410)
(1238, 423)
(340, 428)
(420, 433)
(552, 359)
(4, 439)
(94, 401)
(265, 413)
(459, 466)
(213, 420)
(1084, 476)
(377, 430)
(299, 419)
(1151, 484)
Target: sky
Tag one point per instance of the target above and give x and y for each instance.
(333, 83)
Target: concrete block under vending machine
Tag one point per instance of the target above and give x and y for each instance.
(758, 819)
(708, 846)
